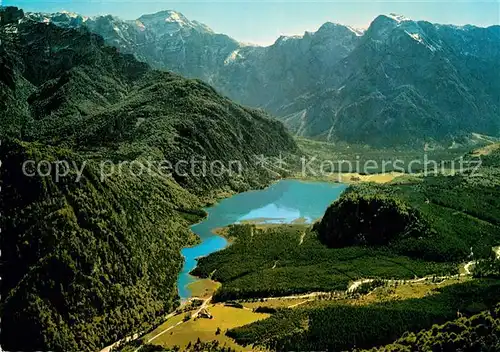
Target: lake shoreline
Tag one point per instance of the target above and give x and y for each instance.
(284, 201)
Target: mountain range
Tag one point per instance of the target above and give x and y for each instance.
(400, 82)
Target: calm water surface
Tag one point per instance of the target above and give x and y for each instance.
(283, 202)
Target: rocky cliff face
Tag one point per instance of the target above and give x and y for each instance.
(272, 77)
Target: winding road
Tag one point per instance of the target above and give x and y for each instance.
(467, 269)
(356, 284)
(203, 306)
(302, 238)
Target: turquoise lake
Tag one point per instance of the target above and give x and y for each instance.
(282, 202)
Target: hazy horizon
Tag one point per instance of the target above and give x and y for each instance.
(262, 22)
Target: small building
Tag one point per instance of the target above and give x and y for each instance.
(205, 314)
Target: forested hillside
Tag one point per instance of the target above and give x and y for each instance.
(370, 220)
(480, 332)
(274, 262)
(89, 258)
(436, 218)
(85, 263)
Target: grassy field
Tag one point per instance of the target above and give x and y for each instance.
(405, 291)
(163, 328)
(349, 177)
(487, 150)
(203, 288)
(296, 317)
(275, 303)
(322, 161)
(224, 318)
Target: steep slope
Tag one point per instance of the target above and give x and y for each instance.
(88, 95)
(89, 255)
(369, 220)
(86, 263)
(480, 332)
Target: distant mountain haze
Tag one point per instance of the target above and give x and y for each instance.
(401, 82)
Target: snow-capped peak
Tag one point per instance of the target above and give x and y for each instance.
(62, 18)
(358, 31)
(398, 18)
(69, 14)
(175, 17)
(168, 16)
(170, 21)
(284, 38)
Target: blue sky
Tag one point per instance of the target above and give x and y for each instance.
(261, 22)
